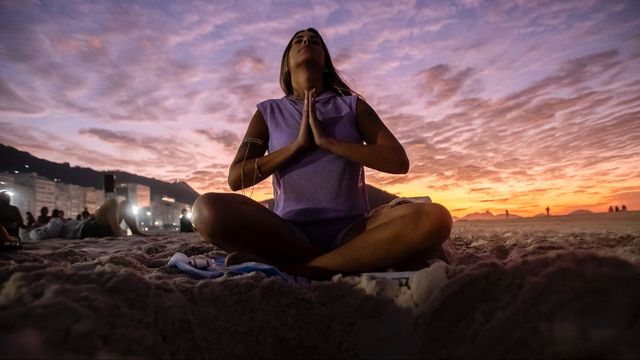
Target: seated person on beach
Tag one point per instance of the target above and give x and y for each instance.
(318, 137)
(105, 222)
(31, 221)
(44, 217)
(10, 218)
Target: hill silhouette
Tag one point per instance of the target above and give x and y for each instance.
(580, 212)
(488, 215)
(14, 159)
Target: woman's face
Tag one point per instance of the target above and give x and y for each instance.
(306, 46)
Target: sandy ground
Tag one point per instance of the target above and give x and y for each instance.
(558, 287)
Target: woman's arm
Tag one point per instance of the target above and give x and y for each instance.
(250, 162)
(382, 151)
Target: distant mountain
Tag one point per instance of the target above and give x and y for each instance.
(580, 212)
(15, 160)
(378, 197)
(487, 215)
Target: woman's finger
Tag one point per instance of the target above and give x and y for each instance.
(305, 108)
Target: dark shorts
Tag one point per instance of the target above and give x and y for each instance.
(327, 234)
(92, 228)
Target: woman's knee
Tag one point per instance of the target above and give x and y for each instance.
(432, 222)
(208, 211)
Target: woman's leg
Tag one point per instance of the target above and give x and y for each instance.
(235, 223)
(108, 214)
(401, 235)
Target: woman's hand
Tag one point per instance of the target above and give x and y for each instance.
(304, 139)
(318, 135)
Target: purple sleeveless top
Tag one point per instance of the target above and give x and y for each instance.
(316, 184)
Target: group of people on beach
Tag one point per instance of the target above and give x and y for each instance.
(617, 209)
(314, 142)
(105, 222)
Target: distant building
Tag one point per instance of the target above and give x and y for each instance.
(38, 191)
(138, 195)
(93, 198)
(72, 198)
(166, 212)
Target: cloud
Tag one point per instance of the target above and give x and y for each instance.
(11, 101)
(441, 83)
(495, 95)
(226, 138)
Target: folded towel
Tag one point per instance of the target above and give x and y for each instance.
(212, 268)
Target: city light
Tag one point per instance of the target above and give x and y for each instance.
(188, 215)
(135, 210)
(148, 213)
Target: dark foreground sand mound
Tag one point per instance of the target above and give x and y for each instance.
(520, 290)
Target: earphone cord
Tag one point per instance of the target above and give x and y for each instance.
(255, 165)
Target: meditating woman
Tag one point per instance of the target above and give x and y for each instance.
(318, 137)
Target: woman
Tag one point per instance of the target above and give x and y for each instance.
(318, 138)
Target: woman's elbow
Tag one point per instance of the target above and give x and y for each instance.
(403, 166)
(234, 183)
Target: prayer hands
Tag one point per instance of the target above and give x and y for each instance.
(309, 121)
(318, 135)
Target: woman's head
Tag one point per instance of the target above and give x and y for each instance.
(331, 79)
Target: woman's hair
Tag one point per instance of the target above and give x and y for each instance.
(330, 75)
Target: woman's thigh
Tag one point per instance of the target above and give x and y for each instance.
(408, 217)
(235, 222)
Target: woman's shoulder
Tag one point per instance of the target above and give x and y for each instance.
(268, 103)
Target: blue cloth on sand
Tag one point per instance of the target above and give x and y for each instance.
(212, 268)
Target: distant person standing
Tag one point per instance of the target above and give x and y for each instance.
(85, 213)
(44, 217)
(185, 222)
(624, 207)
(610, 208)
(547, 210)
(506, 213)
(617, 208)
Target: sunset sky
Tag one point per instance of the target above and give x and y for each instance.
(500, 105)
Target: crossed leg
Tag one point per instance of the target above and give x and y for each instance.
(401, 236)
(234, 223)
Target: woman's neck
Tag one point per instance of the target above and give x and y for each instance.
(303, 79)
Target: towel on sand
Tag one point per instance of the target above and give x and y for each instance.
(213, 268)
(203, 267)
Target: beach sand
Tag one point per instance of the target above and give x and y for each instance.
(556, 287)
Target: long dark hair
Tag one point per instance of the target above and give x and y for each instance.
(330, 76)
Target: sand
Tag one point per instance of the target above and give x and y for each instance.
(558, 287)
